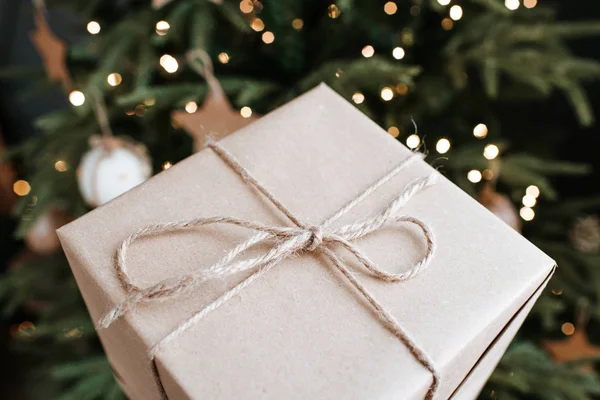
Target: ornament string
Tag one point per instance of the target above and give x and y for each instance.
(200, 61)
(289, 241)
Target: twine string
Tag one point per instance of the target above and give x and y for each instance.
(201, 62)
(289, 241)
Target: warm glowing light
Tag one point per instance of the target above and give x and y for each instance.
(268, 37)
(529, 3)
(169, 63)
(491, 151)
(333, 11)
(533, 191)
(191, 107)
(246, 6)
(297, 24)
(474, 176)
(447, 24)
(368, 51)
(162, 27)
(398, 53)
(456, 12)
(568, 328)
(223, 58)
(60, 166)
(150, 101)
(442, 146)
(166, 165)
(402, 88)
(527, 213)
(257, 24)
(114, 79)
(387, 93)
(390, 8)
(76, 98)
(487, 174)
(358, 97)
(443, 2)
(480, 131)
(529, 201)
(512, 4)
(413, 141)
(93, 27)
(394, 131)
(246, 112)
(557, 291)
(21, 188)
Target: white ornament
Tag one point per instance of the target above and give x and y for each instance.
(110, 168)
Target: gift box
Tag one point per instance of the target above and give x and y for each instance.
(413, 291)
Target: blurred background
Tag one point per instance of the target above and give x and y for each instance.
(95, 97)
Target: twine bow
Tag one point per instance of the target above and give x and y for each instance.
(289, 241)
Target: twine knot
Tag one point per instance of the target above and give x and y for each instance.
(315, 239)
(287, 242)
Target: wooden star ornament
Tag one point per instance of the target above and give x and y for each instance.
(575, 347)
(52, 50)
(216, 118)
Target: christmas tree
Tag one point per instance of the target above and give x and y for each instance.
(438, 75)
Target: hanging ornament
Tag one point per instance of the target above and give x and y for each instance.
(585, 234)
(500, 205)
(216, 118)
(41, 237)
(576, 346)
(112, 166)
(52, 50)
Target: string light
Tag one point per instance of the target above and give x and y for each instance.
(474, 176)
(456, 12)
(166, 165)
(527, 213)
(93, 27)
(394, 131)
(150, 102)
(390, 8)
(491, 151)
(512, 4)
(223, 58)
(413, 141)
(387, 93)
(21, 188)
(268, 37)
(76, 98)
(568, 328)
(358, 97)
(442, 146)
(443, 2)
(402, 88)
(297, 24)
(557, 292)
(246, 112)
(140, 109)
(368, 51)
(246, 6)
(533, 191)
(257, 24)
(529, 201)
(333, 11)
(529, 3)
(114, 79)
(162, 27)
(60, 166)
(480, 131)
(447, 24)
(191, 107)
(398, 53)
(169, 63)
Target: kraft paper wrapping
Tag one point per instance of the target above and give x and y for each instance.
(301, 331)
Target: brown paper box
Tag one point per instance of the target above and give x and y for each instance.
(301, 332)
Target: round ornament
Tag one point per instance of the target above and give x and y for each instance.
(501, 206)
(110, 168)
(42, 238)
